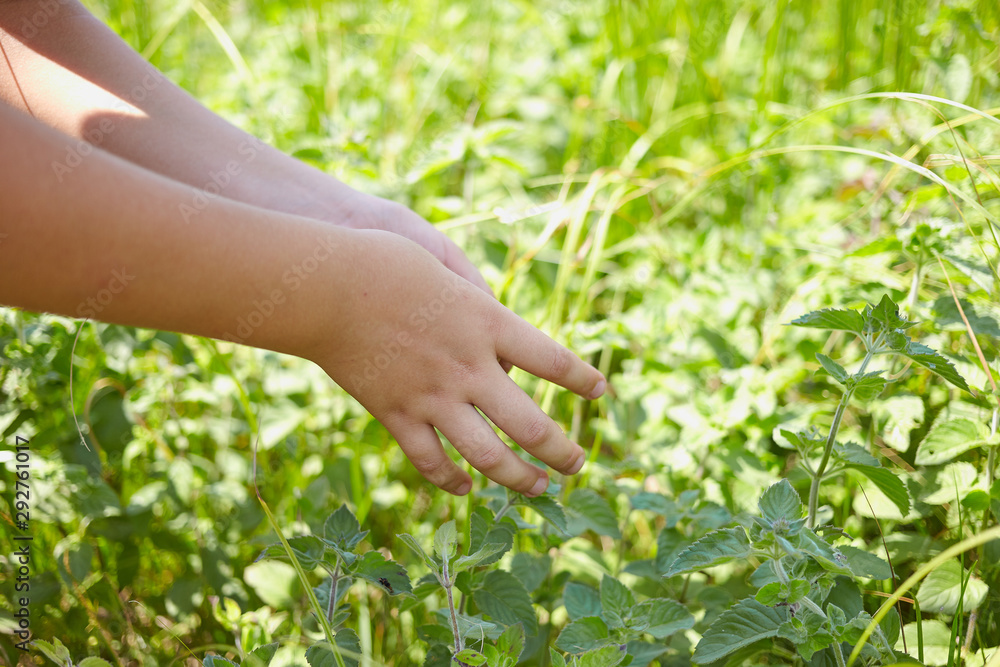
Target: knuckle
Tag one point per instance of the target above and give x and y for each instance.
(489, 457)
(561, 362)
(535, 432)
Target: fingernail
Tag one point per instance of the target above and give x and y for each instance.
(578, 464)
(598, 390)
(539, 487)
(464, 489)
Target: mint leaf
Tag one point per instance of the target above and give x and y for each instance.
(864, 564)
(504, 599)
(715, 548)
(935, 363)
(949, 438)
(661, 617)
(590, 511)
(888, 483)
(308, 550)
(377, 569)
(511, 643)
(584, 634)
(832, 367)
(411, 542)
(342, 528)
(615, 597)
(742, 624)
(446, 541)
(581, 601)
(606, 656)
(832, 319)
(547, 506)
(780, 502)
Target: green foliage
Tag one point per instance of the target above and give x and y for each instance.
(658, 185)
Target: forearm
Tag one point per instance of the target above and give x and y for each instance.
(109, 241)
(77, 76)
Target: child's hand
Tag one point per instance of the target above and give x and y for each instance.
(422, 349)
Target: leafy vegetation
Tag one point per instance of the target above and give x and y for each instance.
(772, 226)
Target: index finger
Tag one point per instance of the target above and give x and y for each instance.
(529, 349)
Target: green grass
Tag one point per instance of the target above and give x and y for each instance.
(708, 173)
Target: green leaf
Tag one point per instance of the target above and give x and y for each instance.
(489, 553)
(54, 651)
(485, 530)
(715, 548)
(780, 502)
(888, 483)
(581, 601)
(886, 313)
(556, 658)
(511, 642)
(547, 506)
(308, 550)
(96, 662)
(742, 624)
(606, 656)
(935, 363)
(583, 634)
(591, 511)
(615, 597)
(531, 569)
(867, 386)
(658, 503)
(446, 541)
(260, 656)
(321, 654)
(212, 661)
(661, 617)
(644, 653)
(504, 599)
(380, 571)
(471, 657)
(864, 564)
(949, 438)
(832, 367)
(411, 542)
(274, 582)
(941, 591)
(850, 452)
(832, 319)
(821, 552)
(342, 528)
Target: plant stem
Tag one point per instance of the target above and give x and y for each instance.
(503, 510)
(838, 654)
(448, 583)
(831, 440)
(331, 607)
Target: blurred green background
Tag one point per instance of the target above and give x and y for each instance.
(601, 162)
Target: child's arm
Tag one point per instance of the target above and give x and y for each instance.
(417, 345)
(73, 73)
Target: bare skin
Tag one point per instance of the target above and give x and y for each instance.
(391, 309)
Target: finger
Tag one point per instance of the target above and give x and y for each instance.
(422, 446)
(518, 416)
(476, 441)
(526, 347)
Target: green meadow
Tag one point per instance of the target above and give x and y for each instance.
(772, 225)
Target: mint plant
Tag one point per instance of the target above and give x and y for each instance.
(337, 554)
(806, 592)
(882, 331)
